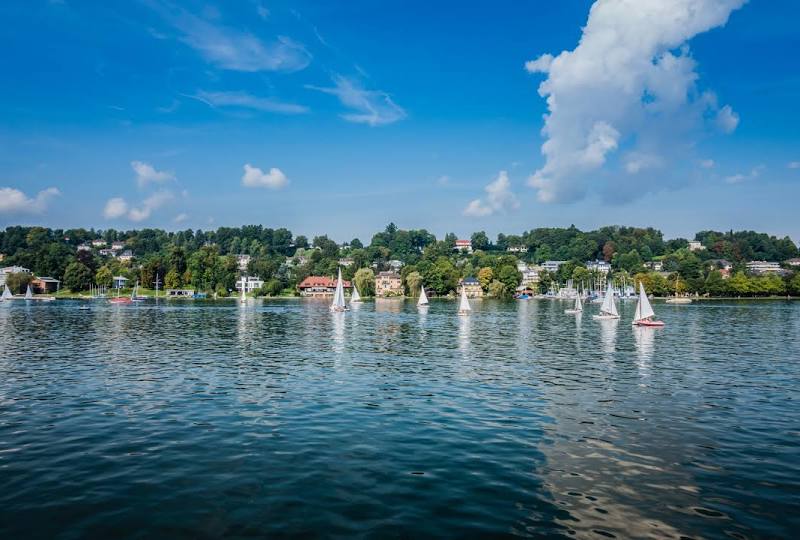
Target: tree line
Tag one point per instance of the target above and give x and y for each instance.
(207, 260)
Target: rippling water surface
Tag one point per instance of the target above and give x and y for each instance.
(280, 419)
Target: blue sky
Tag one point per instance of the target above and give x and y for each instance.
(337, 119)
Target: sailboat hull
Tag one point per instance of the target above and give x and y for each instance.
(573, 311)
(651, 324)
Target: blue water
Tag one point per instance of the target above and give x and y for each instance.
(280, 419)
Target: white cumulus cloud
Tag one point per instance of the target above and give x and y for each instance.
(151, 203)
(14, 201)
(499, 198)
(146, 174)
(754, 173)
(255, 177)
(180, 218)
(625, 99)
(115, 208)
(371, 107)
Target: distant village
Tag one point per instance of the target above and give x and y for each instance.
(396, 263)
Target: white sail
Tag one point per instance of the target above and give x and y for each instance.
(7, 295)
(243, 298)
(355, 297)
(338, 296)
(423, 298)
(643, 308)
(464, 306)
(609, 307)
(28, 293)
(578, 303)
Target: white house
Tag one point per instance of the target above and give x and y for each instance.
(119, 282)
(11, 270)
(598, 266)
(552, 266)
(116, 246)
(346, 261)
(530, 276)
(694, 245)
(84, 247)
(517, 249)
(763, 267)
(251, 283)
(98, 243)
(463, 245)
(242, 261)
(126, 256)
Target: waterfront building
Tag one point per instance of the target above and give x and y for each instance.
(472, 287)
(463, 245)
(180, 293)
(119, 282)
(763, 267)
(316, 286)
(552, 266)
(251, 284)
(598, 266)
(388, 284)
(4, 272)
(45, 285)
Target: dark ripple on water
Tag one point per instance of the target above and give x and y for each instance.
(280, 419)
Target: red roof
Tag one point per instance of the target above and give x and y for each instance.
(463, 242)
(321, 281)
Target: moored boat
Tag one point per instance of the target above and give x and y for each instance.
(463, 306)
(643, 316)
(338, 304)
(608, 311)
(423, 298)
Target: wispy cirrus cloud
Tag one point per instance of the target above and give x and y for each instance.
(243, 100)
(626, 97)
(793, 165)
(14, 201)
(147, 174)
(234, 49)
(499, 198)
(754, 173)
(371, 107)
(254, 177)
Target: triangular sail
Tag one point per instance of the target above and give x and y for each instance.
(578, 303)
(609, 307)
(243, 299)
(355, 297)
(7, 295)
(338, 296)
(464, 305)
(423, 298)
(28, 293)
(644, 309)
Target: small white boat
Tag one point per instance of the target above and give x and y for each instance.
(423, 298)
(355, 297)
(29, 293)
(7, 294)
(608, 311)
(463, 306)
(338, 304)
(578, 306)
(644, 311)
(243, 298)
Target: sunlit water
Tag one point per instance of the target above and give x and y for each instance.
(279, 419)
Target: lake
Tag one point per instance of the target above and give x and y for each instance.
(280, 419)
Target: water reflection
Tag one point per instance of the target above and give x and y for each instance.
(464, 328)
(608, 335)
(645, 346)
(338, 322)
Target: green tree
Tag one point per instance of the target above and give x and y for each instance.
(414, 283)
(510, 277)
(794, 284)
(498, 289)
(18, 281)
(739, 284)
(77, 277)
(480, 241)
(104, 276)
(172, 280)
(485, 277)
(441, 277)
(365, 281)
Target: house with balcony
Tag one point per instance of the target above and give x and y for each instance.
(694, 245)
(388, 284)
(251, 284)
(346, 261)
(320, 286)
(598, 266)
(552, 266)
(760, 268)
(471, 286)
(463, 245)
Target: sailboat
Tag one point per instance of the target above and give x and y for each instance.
(338, 304)
(644, 311)
(243, 298)
(578, 306)
(119, 299)
(355, 297)
(7, 294)
(608, 310)
(29, 293)
(423, 298)
(463, 306)
(678, 299)
(134, 296)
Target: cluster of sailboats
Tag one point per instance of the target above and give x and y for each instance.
(643, 316)
(7, 296)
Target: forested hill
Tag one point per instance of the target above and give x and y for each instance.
(204, 259)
